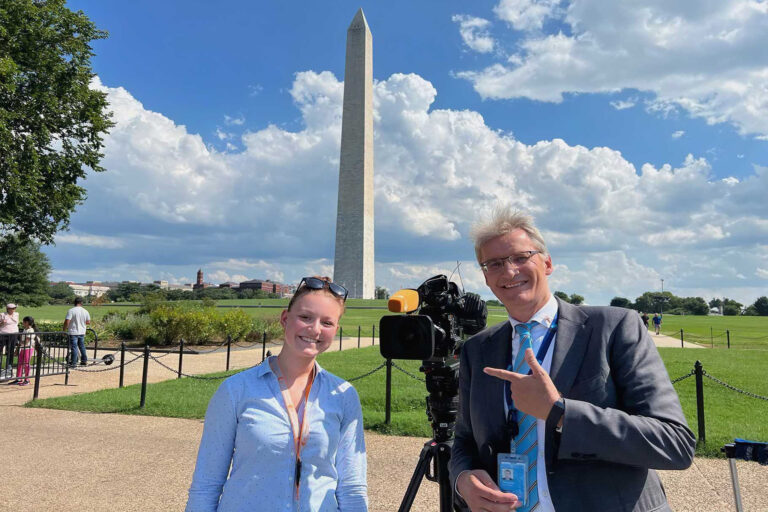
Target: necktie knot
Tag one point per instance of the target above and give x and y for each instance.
(524, 329)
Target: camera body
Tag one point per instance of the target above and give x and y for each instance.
(445, 314)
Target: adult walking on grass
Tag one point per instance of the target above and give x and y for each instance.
(76, 322)
(657, 323)
(291, 432)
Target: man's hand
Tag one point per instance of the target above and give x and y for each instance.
(533, 394)
(480, 492)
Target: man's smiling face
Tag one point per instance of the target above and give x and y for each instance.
(523, 290)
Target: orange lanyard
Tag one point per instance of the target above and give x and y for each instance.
(302, 428)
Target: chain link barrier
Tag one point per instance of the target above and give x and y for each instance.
(733, 388)
(416, 377)
(690, 374)
(198, 377)
(108, 369)
(382, 365)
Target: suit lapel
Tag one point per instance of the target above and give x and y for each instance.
(570, 345)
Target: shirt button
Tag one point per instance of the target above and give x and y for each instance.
(545, 494)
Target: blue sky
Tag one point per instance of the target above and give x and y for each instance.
(636, 133)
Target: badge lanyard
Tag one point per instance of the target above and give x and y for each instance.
(293, 415)
(540, 355)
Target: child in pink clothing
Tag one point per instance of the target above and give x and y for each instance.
(26, 348)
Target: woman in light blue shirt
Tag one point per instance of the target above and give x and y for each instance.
(286, 435)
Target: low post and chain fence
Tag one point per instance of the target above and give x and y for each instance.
(700, 373)
(721, 339)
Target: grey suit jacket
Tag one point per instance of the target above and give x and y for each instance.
(622, 415)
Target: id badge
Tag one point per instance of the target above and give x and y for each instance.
(513, 475)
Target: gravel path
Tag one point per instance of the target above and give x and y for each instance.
(116, 463)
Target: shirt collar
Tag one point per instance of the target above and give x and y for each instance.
(544, 316)
(264, 369)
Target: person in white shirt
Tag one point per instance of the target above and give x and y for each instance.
(77, 321)
(9, 330)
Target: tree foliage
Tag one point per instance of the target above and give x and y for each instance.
(761, 306)
(381, 293)
(24, 272)
(621, 302)
(51, 121)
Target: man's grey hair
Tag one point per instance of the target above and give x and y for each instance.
(504, 220)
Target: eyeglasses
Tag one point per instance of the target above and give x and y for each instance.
(314, 283)
(516, 260)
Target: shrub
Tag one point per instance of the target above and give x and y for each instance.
(235, 323)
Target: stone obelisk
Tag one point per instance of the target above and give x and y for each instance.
(353, 261)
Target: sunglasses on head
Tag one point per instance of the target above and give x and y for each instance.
(314, 283)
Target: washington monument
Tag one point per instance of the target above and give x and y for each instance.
(353, 261)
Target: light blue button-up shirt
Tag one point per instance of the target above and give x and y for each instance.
(247, 426)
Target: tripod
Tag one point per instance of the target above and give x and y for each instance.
(437, 454)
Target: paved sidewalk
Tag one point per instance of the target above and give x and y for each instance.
(115, 463)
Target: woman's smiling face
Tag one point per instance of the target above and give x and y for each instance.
(311, 324)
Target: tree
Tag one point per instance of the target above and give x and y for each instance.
(576, 299)
(51, 121)
(731, 307)
(381, 293)
(24, 272)
(761, 306)
(621, 302)
(61, 293)
(562, 296)
(715, 303)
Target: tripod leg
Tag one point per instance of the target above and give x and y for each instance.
(418, 474)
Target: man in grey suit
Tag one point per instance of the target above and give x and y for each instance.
(596, 411)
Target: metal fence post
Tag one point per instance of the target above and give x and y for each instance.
(373, 334)
(95, 343)
(229, 349)
(144, 376)
(388, 395)
(181, 355)
(70, 358)
(358, 336)
(264, 346)
(341, 330)
(682, 344)
(38, 368)
(728, 336)
(122, 362)
(699, 371)
(711, 338)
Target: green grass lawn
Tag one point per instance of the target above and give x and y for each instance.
(728, 414)
(745, 331)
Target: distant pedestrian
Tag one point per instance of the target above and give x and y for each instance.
(26, 347)
(76, 322)
(644, 317)
(657, 322)
(9, 332)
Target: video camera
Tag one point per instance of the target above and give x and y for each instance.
(434, 336)
(444, 315)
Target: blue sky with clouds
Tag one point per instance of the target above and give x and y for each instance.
(635, 132)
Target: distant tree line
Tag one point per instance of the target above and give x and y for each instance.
(655, 302)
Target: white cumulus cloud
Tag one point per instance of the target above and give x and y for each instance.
(705, 58)
(474, 32)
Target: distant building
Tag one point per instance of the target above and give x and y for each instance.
(230, 284)
(89, 288)
(266, 286)
(199, 285)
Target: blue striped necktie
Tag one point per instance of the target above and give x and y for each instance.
(526, 442)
